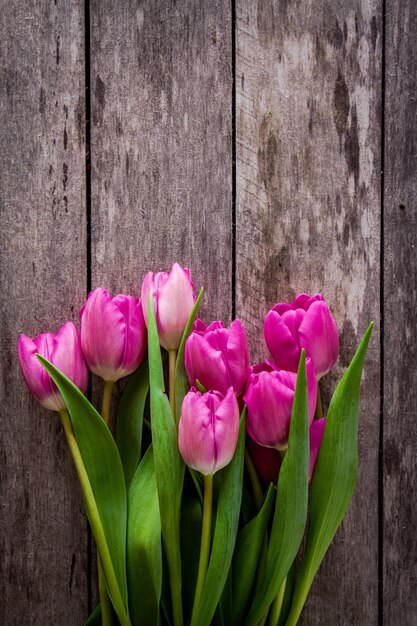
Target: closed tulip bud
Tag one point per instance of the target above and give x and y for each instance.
(208, 430)
(173, 300)
(269, 397)
(64, 351)
(316, 436)
(218, 357)
(305, 323)
(113, 334)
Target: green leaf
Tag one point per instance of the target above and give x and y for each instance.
(291, 504)
(103, 487)
(169, 466)
(246, 557)
(335, 475)
(144, 549)
(130, 421)
(182, 384)
(226, 525)
(94, 619)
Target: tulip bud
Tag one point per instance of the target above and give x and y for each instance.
(269, 397)
(208, 430)
(218, 357)
(305, 323)
(173, 300)
(316, 436)
(113, 334)
(64, 351)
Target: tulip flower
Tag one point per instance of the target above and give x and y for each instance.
(113, 334)
(305, 323)
(173, 298)
(267, 461)
(316, 436)
(64, 351)
(208, 430)
(269, 397)
(218, 357)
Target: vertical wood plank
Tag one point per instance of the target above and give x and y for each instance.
(308, 83)
(43, 277)
(400, 305)
(161, 144)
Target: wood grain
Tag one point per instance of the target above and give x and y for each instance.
(400, 305)
(161, 144)
(308, 79)
(43, 277)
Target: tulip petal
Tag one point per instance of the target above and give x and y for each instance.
(280, 342)
(103, 331)
(175, 303)
(135, 335)
(67, 356)
(319, 337)
(237, 356)
(316, 436)
(39, 382)
(226, 429)
(196, 433)
(205, 364)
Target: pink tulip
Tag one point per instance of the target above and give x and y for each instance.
(173, 299)
(113, 334)
(267, 461)
(305, 323)
(208, 430)
(64, 351)
(218, 357)
(269, 397)
(316, 436)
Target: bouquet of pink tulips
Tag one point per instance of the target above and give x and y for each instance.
(199, 512)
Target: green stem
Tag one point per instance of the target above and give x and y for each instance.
(95, 521)
(298, 601)
(319, 408)
(205, 544)
(105, 602)
(106, 402)
(253, 477)
(172, 354)
(277, 605)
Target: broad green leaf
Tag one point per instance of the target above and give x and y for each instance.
(94, 619)
(335, 475)
(144, 549)
(181, 380)
(130, 421)
(191, 522)
(104, 487)
(169, 467)
(246, 557)
(291, 504)
(225, 530)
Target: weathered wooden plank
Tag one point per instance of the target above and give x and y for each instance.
(400, 305)
(43, 278)
(308, 182)
(161, 144)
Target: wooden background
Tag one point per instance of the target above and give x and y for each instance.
(271, 146)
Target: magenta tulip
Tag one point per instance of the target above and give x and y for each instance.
(305, 323)
(208, 430)
(173, 300)
(316, 436)
(218, 357)
(64, 351)
(113, 334)
(269, 397)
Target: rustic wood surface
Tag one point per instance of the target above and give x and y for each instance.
(400, 306)
(303, 203)
(308, 219)
(43, 550)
